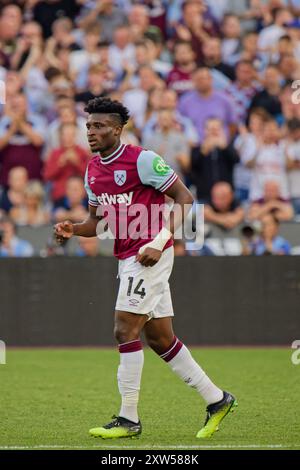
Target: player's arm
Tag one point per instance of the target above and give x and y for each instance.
(150, 253)
(183, 201)
(87, 228)
(153, 171)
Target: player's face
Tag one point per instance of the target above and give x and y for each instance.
(102, 132)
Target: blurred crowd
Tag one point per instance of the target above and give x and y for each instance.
(211, 86)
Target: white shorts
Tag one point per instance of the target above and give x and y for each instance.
(146, 290)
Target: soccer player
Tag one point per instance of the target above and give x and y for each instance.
(118, 177)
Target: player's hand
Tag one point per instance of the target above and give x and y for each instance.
(149, 257)
(63, 231)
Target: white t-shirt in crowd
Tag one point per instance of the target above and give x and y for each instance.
(293, 151)
(136, 101)
(270, 36)
(118, 57)
(270, 165)
(82, 59)
(246, 146)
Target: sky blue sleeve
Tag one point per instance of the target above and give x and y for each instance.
(92, 198)
(154, 171)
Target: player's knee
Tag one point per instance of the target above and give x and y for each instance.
(152, 343)
(124, 333)
(159, 345)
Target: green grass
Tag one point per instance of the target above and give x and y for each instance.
(52, 397)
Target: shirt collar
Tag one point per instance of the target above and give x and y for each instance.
(113, 156)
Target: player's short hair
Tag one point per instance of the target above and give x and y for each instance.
(108, 106)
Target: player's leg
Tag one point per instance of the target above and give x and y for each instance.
(160, 337)
(127, 333)
(128, 327)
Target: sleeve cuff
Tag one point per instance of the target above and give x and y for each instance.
(167, 184)
(93, 204)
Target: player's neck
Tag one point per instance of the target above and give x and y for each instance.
(111, 150)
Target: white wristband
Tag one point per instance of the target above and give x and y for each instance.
(158, 243)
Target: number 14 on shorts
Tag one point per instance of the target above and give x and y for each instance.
(137, 288)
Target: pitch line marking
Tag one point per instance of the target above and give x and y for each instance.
(148, 447)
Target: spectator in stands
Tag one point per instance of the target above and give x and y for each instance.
(89, 54)
(21, 139)
(145, 55)
(154, 105)
(59, 86)
(271, 202)
(32, 211)
(223, 209)
(13, 196)
(106, 14)
(136, 99)
(66, 115)
(242, 90)
(10, 25)
(285, 46)
(30, 38)
(195, 27)
(159, 56)
(180, 77)
(269, 97)
(269, 163)
(10, 244)
(95, 86)
(294, 35)
(65, 161)
(74, 207)
(59, 54)
(212, 58)
(231, 42)
(288, 67)
(45, 12)
(121, 51)
(246, 144)
(204, 102)
(62, 34)
(59, 83)
(13, 85)
(168, 140)
(88, 246)
(293, 162)
(270, 243)
(139, 22)
(270, 35)
(251, 52)
(213, 161)
(169, 101)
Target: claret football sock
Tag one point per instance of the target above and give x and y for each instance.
(129, 378)
(182, 363)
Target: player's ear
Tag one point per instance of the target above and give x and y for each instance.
(117, 130)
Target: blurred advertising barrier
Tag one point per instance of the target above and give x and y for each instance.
(69, 301)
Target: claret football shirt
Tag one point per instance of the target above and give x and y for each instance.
(128, 188)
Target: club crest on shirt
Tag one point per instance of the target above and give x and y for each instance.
(120, 177)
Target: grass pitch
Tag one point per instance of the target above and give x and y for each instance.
(51, 397)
